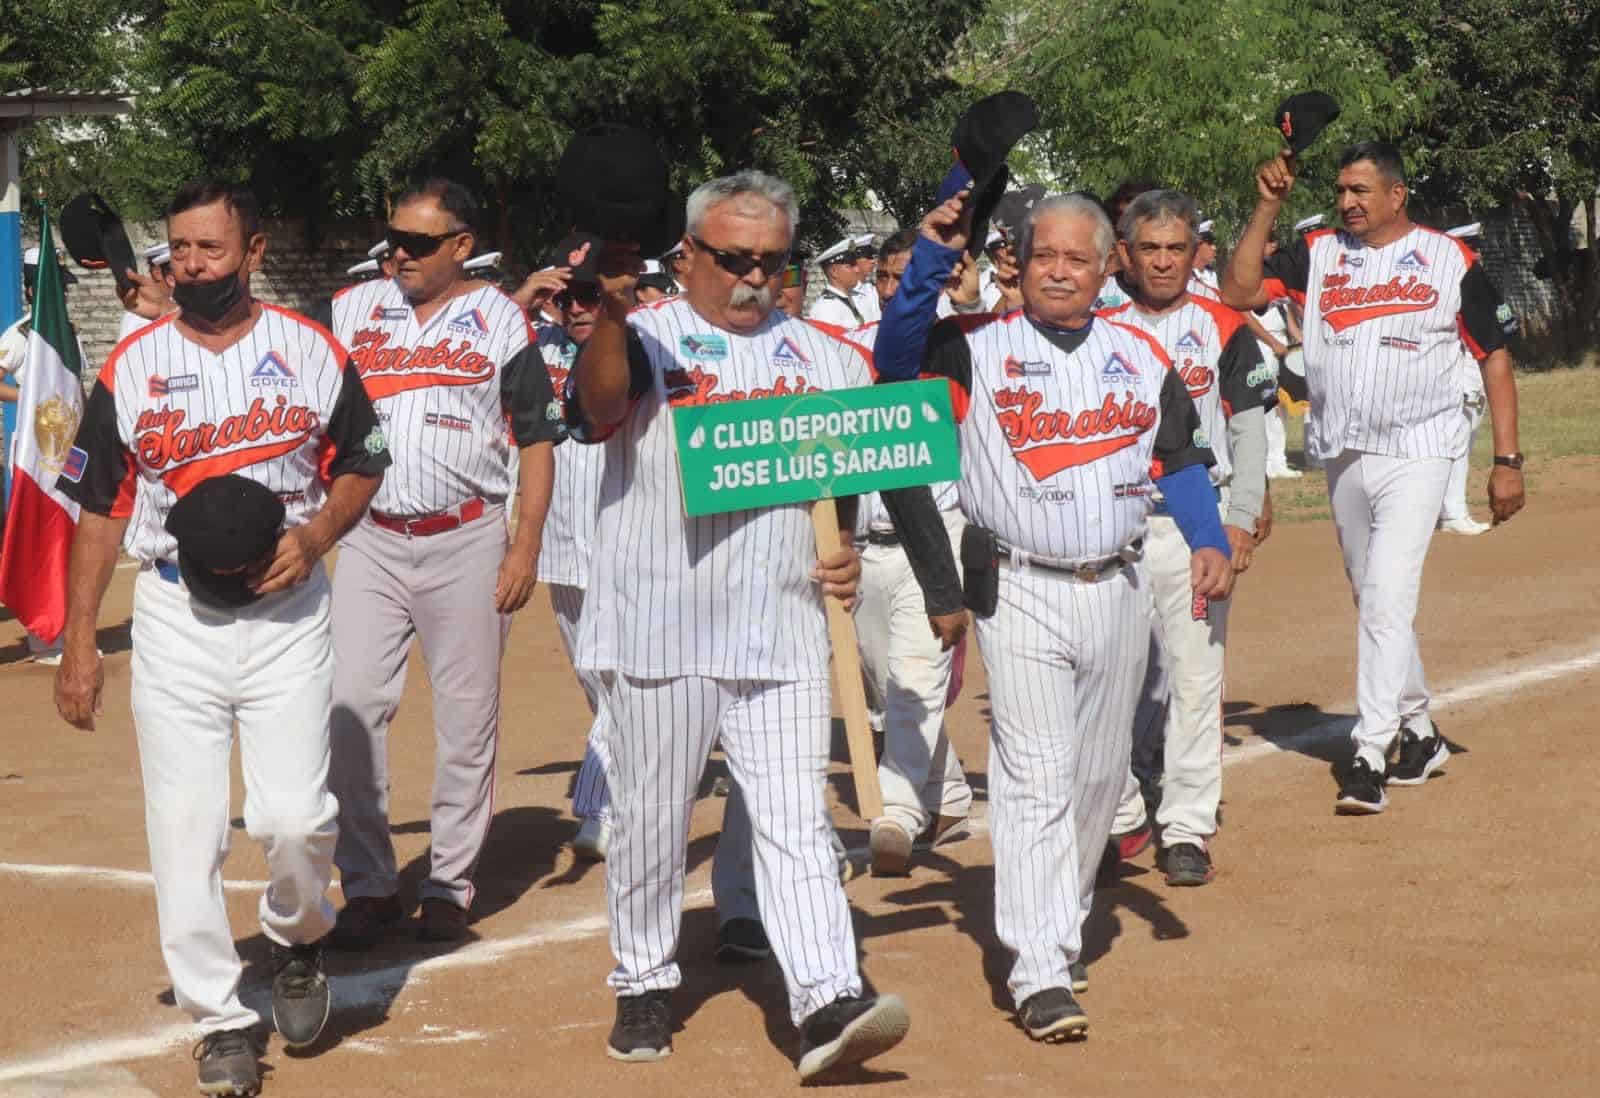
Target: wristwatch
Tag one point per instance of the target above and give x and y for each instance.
(1510, 461)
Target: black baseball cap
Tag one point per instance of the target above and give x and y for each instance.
(1300, 118)
(585, 265)
(225, 526)
(94, 237)
(983, 138)
(616, 182)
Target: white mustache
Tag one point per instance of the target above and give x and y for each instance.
(1066, 284)
(746, 294)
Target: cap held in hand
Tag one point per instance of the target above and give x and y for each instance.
(983, 138)
(615, 181)
(225, 526)
(94, 237)
(1300, 118)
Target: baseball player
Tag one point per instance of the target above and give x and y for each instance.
(1386, 302)
(1066, 420)
(714, 626)
(1180, 709)
(1454, 516)
(906, 666)
(227, 390)
(838, 304)
(447, 361)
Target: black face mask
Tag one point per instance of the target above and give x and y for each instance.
(210, 301)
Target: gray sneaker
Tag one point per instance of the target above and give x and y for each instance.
(228, 1063)
(1079, 973)
(1053, 1015)
(300, 998)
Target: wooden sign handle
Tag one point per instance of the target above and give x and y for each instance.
(848, 688)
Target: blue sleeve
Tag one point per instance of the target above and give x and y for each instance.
(903, 332)
(1192, 503)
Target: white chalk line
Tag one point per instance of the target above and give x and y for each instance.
(94, 874)
(379, 986)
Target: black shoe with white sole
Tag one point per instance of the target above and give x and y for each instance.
(228, 1063)
(300, 997)
(1360, 790)
(643, 1030)
(850, 1030)
(1419, 759)
(1053, 1015)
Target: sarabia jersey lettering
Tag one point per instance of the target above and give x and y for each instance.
(575, 498)
(428, 381)
(730, 595)
(281, 407)
(1383, 330)
(1218, 361)
(1062, 432)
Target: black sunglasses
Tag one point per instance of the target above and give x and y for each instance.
(739, 264)
(584, 293)
(418, 245)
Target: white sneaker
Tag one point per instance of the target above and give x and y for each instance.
(1465, 525)
(593, 839)
(1285, 473)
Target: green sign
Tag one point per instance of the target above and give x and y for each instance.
(741, 454)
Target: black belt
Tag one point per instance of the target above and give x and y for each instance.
(883, 537)
(1087, 572)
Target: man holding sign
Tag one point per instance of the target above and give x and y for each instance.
(714, 626)
(1068, 422)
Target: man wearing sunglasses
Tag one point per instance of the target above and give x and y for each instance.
(447, 360)
(714, 626)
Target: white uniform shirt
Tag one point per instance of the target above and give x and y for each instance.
(438, 391)
(575, 499)
(728, 596)
(1383, 329)
(835, 306)
(279, 407)
(865, 297)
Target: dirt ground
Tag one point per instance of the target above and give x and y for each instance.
(1441, 948)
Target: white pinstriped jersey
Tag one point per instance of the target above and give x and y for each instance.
(1058, 446)
(1383, 328)
(728, 596)
(167, 413)
(1217, 358)
(437, 389)
(870, 510)
(575, 499)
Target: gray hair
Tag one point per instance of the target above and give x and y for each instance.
(1078, 205)
(714, 192)
(1159, 206)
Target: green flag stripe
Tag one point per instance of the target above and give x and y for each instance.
(50, 304)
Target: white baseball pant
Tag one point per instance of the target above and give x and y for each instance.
(1179, 714)
(1384, 509)
(907, 678)
(1277, 442)
(589, 795)
(1065, 661)
(388, 588)
(1455, 489)
(197, 670)
(776, 737)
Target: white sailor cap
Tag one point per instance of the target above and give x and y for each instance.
(1466, 232)
(995, 237)
(159, 254)
(378, 250)
(484, 262)
(836, 251)
(651, 267)
(1306, 224)
(1205, 227)
(365, 267)
(862, 241)
(676, 249)
(30, 258)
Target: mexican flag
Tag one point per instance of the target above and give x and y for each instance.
(40, 521)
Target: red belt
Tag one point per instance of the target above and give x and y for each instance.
(421, 526)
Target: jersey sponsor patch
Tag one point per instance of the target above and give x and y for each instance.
(272, 370)
(1014, 367)
(375, 443)
(447, 422)
(471, 322)
(1413, 260)
(1398, 344)
(165, 386)
(1191, 343)
(552, 411)
(705, 347)
(1348, 260)
(1048, 441)
(77, 461)
(380, 313)
(1118, 368)
(788, 353)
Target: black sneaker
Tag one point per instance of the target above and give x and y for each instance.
(643, 1030)
(742, 940)
(363, 919)
(1080, 977)
(1419, 759)
(850, 1030)
(1053, 1015)
(1186, 865)
(228, 1063)
(300, 999)
(1360, 790)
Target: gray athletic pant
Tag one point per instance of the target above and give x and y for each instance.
(387, 588)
